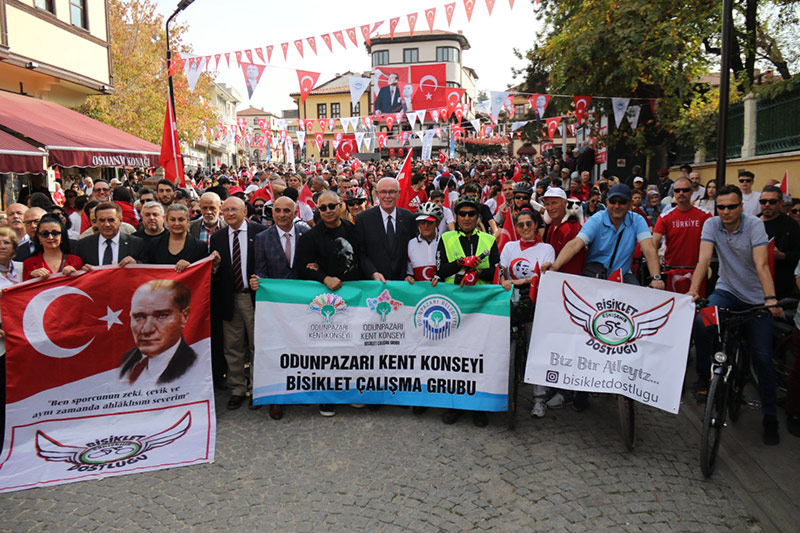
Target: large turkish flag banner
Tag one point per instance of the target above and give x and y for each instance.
(105, 370)
(432, 85)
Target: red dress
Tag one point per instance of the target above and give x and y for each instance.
(37, 261)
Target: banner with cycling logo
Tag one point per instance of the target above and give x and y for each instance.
(376, 343)
(602, 336)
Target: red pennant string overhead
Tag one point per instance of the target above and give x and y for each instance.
(299, 45)
(285, 48)
(581, 106)
(469, 5)
(307, 82)
(449, 9)
(351, 32)
(490, 5)
(393, 25)
(327, 38)
(260, 54)
(430, 15)
(269, 53)
(312, 43)
(412, 22)
(365, 33)
(340, 37)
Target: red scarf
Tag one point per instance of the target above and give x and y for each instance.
(524, 245)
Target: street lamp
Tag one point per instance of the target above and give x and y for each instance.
(183, 4)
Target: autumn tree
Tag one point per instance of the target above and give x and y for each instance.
(138, 105)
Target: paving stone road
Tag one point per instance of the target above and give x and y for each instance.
(393, 471)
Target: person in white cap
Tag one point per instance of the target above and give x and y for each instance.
(561, 227)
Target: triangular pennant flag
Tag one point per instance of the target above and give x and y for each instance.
(357, 87)
(285, 48)
(419, 134)
(299, 45)
(392, 26)
(430, 15)
(533, 292)
(337, 139)
(327, 38)
(377, 25)
(382, 138)
(444, 113)
(323, 122)
(262, 124)
(490, 5)
(301, 137)
(249, 54)
(238, 57)
(389, 119)
(633, 115)
(312, 42)
(192, 71)
(367, 120)
(309, 125)
(435, 115)
(620, 106)
(476, 124)
(654, 104)
(331, 123)
(340, 37)
(359, 139)
(307, 82)
(252, 75)
(412, 118)
(437, 132)
(228, 59)
(365, 33)
(511, 4)
(351, 32)
(269, 53)
(412, 22)
(552, 126)
(367, 144)
(398, 117)
(449, 9)
(217, 58)
(518, 124)
(318, 139)
(454, 96)
(498, 100)
(581, 107)
(469, 5)
(421, 116)
(260, 54)
(539, 103)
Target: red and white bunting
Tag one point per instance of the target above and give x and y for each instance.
(449, 9)
(469, 5)
(238, 54)
(365, 33)
(511, 4)
(382, 138)
(393, 25)
(285, 48)
(327, 38)
(318, 140)
(309, 125)
(307, 82)
(539, 103)
(412, 22)
(331, 123)
(269, 53)
(367, 120)
(299, 45)
(459, 114)
(377, 25)
(228, 59)
(337, 139)
(552, 126)
(340, 37)
(262, 125)
(312, 43)
(260, 54)
(490, 5)
(430, 16)
(323, 122)
(581, 106)
(249, 54)
(435, 115)
(351, 32)
(389, 119)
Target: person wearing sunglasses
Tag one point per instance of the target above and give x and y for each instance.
(741, 245)
(355, 200)
(794, 210)
(786, 234)
(51, 255)
(750, 198)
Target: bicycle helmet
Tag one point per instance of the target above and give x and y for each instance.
(465, 200)
(523, 187)
(430, 209)
(355, 193)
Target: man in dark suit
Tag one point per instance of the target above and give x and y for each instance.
(389, 99)
(30, 219)
(235, 246)
(383, 233)
(109, 246)
(203, 228)
(275, 253)
(159, 311)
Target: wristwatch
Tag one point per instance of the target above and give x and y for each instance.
(657, 277)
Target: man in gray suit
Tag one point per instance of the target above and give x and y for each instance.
(203, 228)
(109, 246)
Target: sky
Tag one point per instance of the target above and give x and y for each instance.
(217, 26)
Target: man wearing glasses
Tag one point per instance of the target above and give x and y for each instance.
(750, 199)
(741, 244)
(786, 234)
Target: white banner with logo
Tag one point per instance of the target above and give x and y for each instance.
(603, 336)
(376, 343)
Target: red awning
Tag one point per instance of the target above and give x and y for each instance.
(19, 156)
(72, 139)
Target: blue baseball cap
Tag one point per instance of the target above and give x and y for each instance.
(621, 190)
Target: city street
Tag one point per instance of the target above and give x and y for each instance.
(392, 470)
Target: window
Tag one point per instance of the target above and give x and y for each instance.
(410, 55)
(519, 110)
(47, 5)
(322, 110)
(380, 57)
(77, 13)
(325, 150)
(355, 110)
(336, 110)
(447, 53)
(453, 84)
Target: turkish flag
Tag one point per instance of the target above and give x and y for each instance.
(318, 140)
(306, 197)
(47, 338)
(170, 157)
(307, 82)
(469, 5)
(552, 126)
(432, 89)
(312, 42)
(340, 38)
(327, 38)
(581, 107)
(508, 234)
(393, 25)
(448, 10)
(389, 119)
(533, 293)
(710, 316)
(322, 124)
(347, 147)
(382, 138)
(616, 276)
(404, 178)
(442, 158)
(517, 176)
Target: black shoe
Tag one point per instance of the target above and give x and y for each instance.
(451, 416)
(480, 419)
(770, 437)
(581, 401)
(417, 410)
(793, 425)
(326, 409)
(235, 402)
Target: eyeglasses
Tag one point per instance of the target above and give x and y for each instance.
(48, 234)
(357, 201)
(522, 197)
(617, 201)
(31, 222)
(795, 211)
(725, 207)
(745, 180)
(388, 193)
(686, 189)
(525, 224)
(467, 213)
(770, 201)
(325, 207)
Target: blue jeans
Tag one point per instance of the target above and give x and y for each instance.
(759, 337)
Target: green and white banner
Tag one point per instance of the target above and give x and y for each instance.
(382, 343)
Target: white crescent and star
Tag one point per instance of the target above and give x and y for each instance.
(425, 78)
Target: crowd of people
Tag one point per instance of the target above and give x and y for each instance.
(462, 221)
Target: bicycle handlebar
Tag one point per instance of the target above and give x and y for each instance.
(700, 303)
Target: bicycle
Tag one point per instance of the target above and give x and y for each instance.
(729, 370)
(520, 338)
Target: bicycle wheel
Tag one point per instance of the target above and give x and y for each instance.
(737, 383)
(627, 418)
(713, 422)
(783, 358)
